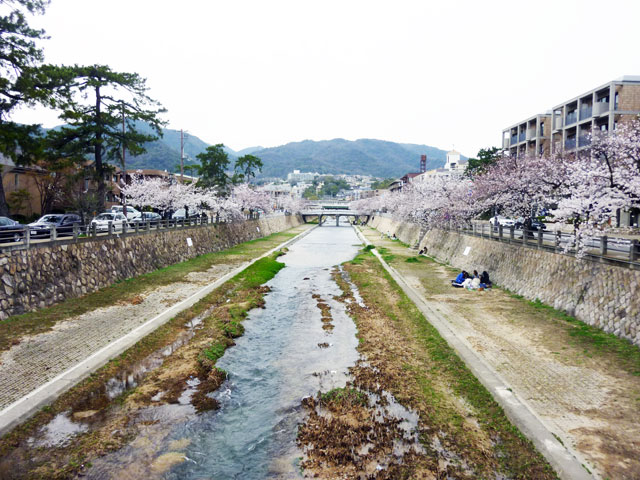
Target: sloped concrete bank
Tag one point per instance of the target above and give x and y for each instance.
(39, 277)
(600, 295)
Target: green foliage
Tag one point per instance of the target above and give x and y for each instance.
(245, 168)
(413, 260)
(382, 184)
(332, 186)
(93, 100)
(345, 396)
(310, 193)
(214, 163)
(486, 157)
(19, 199)
(260, 272)
(22, 81)
(233, 329)
(214, 351)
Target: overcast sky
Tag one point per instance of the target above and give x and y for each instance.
(247, 73)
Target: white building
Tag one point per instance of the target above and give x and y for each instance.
(297, 176)
(453, 166)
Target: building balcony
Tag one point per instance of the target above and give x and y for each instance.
(585, 112)
(571, 118)
(522, 137)
(557, 123)
(600, 108)
(514, 139)
(531, 133)
(584, 141)
(570, 144)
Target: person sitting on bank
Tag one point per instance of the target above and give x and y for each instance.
(484, 280)
(462, 276)
(475, 274)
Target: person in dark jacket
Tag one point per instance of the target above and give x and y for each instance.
(484, 280)
(462, 276)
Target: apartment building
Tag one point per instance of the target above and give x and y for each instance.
(529, 137)
(567, 126)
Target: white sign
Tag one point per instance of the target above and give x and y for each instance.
(189, 242)
(466, 251)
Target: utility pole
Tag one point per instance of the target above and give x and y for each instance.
(181, 156)
(124, 166)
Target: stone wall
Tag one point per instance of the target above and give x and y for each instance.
(601, 295)
(41, 276)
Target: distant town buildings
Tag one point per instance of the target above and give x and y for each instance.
(453, 166)
(298, 176)
(298, 182)
(567, 126)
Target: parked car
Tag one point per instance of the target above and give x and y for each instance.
(103, 220)
(500, 220)
(132, 213)
(10, 230)
(535, 225)
(180, 214)
(63, 222)
(150, 216)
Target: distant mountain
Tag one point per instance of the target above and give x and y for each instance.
(365, 156)
(164, 153)
(248, 151)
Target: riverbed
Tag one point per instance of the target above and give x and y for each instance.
(301, 342)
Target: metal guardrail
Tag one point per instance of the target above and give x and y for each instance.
(24, 238)
(604, 249)
(616, 251)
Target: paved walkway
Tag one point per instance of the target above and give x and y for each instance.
(590, 404)
(44, 358)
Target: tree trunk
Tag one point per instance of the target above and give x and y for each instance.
(98, 153)
(4, 206)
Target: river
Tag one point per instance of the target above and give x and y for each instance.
(284, 355)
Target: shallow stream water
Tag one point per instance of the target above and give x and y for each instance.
(283, 356)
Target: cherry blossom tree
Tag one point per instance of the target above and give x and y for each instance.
(249, 199)
(435, 201)
(602, 181)
(291, 204)
(515, 186)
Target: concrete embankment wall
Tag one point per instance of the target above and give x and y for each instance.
(41, 276)
(601, 295)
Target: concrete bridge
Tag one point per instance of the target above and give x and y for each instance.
(323, 214)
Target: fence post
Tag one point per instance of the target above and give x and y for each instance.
(93, 230)
(633, 251)
(53, 233)
(125, 227)
(500, 228)
(137, 226)
(540, 237)
(110, 228)
(558, 239)
(76, 231)
(482, 234)
(27, 236)
(603, 245)
(147, 226)
(512, 233)
(524, 236)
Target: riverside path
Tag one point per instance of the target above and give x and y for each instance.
(585, 394)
